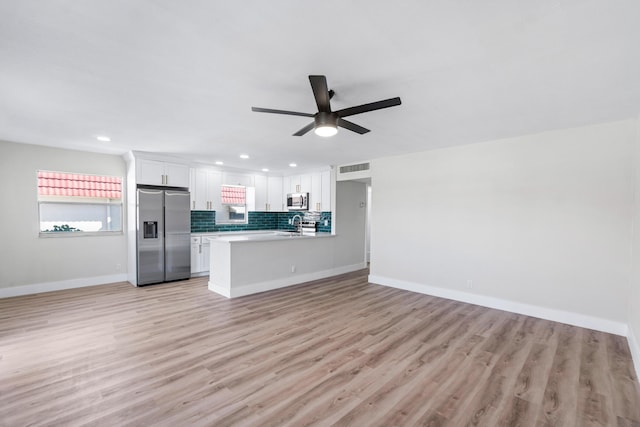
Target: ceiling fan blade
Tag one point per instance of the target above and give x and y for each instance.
(305, 129)
(391, 102)
(290, 113)
(321, 93)
(352, 126)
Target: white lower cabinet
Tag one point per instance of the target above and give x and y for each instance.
(196, 251)
(205, 259)
(200, 251)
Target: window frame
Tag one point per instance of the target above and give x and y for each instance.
(69, 200)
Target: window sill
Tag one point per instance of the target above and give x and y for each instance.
(58, 234)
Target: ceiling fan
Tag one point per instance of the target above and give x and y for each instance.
(326, 122)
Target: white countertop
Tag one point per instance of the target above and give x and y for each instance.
(261, 235)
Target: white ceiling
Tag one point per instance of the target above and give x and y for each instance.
(179, 77)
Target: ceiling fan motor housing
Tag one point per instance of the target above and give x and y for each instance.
(326, 119)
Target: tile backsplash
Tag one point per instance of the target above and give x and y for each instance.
(205, 222)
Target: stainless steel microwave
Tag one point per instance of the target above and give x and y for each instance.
(298, 201)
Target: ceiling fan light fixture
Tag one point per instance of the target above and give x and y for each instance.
(326, 124)
(326, 130)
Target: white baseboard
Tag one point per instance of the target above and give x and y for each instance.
(634, 346)
(38, 288)
(570, 318)
(269, 285)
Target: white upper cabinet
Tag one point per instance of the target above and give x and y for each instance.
(261, 193)
(326, 191)
(153, 172)
(205, 189)
(286, 185)
(298, 183)
(315, 194)
(229, 178)
(317, 184)
(320, 194)
(275, 198)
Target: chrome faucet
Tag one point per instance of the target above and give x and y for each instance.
(299, 226)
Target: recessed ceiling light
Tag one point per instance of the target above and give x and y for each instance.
(219, 163)
(265, 170)
(103, 138)
(293, 165)
(244, 156)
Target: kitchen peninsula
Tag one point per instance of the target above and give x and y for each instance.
(248, 263)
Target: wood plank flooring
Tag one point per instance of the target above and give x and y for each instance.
(338, 351)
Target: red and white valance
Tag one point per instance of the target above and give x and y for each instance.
(232, 195)
(78, 185)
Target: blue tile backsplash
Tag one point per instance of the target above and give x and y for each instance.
(205, 222)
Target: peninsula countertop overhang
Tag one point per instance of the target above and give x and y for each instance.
(260, 235)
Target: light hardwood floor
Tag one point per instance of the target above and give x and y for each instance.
(338, 351)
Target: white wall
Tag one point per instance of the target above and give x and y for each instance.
(540, 224)
(33, 264)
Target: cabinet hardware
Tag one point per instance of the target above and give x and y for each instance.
(200, 248)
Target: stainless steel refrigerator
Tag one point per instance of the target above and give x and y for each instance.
(164, 235)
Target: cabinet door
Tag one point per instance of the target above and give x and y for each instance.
(326, 191)
(305, 183)
(214, 183)
(286, 185)
(261, 192)
(199, 201)
(192, 188)
(315, 193)
(274, 194)
(237, 179)
(150, 172)
(295, 184)
(196, 255)
(205, 255)
(176, 175)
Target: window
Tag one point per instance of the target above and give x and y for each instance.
(77, 204)
(234, 208)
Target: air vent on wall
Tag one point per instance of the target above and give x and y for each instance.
(354, 168)
(356, 171)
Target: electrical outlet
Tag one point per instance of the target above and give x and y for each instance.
(293, 268)
(289, 221)
(470, 284)
(118, 267)
(326, 222)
